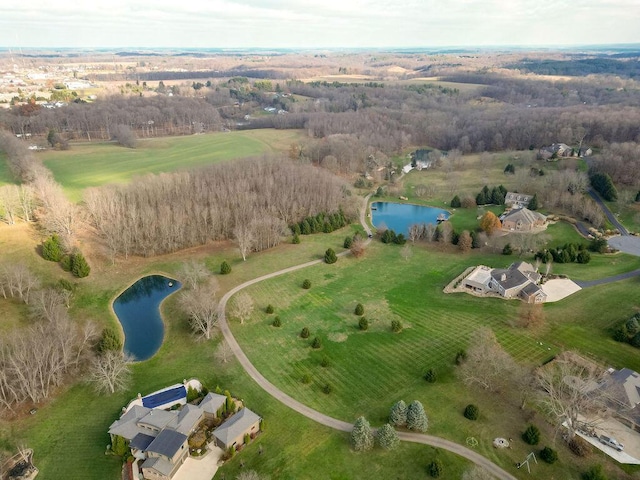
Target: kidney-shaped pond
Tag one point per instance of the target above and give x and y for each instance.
(400, 216)
(138, 310)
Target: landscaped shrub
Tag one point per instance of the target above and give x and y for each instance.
(66, 263)
(325, 362)
(455, 202)
(533, 203)
(269, 309)
(109, 340)
(388, 236)
(396, 326)
(306, 284)
(348, 241)
(472, 412)
(296, 239)
(66, 285)
(79, 266)
(549, 455)
(363, 323)
(435, 468)
(579, 446)
(327, 388)
(398, 414)
(598, 245)
(330, 256)
(359, 310)
(305, 332)
(192, 394)
(416, 417)
(431, 376)
(52, 249)
(507, 250)
(276, 322)
(461, 356)
(306, 379)
(120, 446)
(388, 437)
(361, 435)
(316, 343)
(531, 435)
(225, 268)
(594, 473)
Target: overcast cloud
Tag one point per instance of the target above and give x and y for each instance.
(316, 23)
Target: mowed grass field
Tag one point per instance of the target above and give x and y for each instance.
(95, 164)
(5, 174)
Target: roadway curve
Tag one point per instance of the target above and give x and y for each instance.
(612, 218)
(321, 417)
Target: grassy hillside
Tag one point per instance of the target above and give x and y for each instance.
(94, 164)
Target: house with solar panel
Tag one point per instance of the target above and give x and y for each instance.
(159, 438)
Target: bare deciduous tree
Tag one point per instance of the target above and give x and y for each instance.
(242, 307)
(223, 352)
(406, 252)
(569, 391)
(193, 272)
(110, 372)
(487, 365)
(201, 306)
(244, 238)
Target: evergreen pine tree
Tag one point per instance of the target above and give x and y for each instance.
(388, 437)
(416, 417)
(361, 435)
(398, 414)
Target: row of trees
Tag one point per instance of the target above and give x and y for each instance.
(36, 360)
(251, 201)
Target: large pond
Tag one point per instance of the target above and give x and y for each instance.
(138, 310)
(400, 216)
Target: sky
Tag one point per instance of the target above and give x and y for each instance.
(316, 23)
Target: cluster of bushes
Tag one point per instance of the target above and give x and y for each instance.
(568, 253)
(53, 251)
(602, 183)
(225, 268)
(495, 196)
(362, 438)
(466, 202)
(321, 223)
(598, 245)
(389, 236)
(472, 412)
(362, 183)
(629, 331)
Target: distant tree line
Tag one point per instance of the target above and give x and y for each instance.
(251, 201)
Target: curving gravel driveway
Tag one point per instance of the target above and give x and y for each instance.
(321, 417)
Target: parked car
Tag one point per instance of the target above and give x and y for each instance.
(611, 442)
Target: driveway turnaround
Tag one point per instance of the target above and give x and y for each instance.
(319, 417)
(626, 243)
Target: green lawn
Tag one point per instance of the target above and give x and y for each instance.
(5, 174)
(95, 164)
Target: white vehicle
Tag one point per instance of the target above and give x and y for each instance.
(611, 442)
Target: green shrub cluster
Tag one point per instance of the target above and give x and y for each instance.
(629, 331)
(363, 323)
(495, 196)
(330, 256)
(109, 340)
(269, 309)
(472, 412)
(225, 268)
(359, 310)
(306, 284)
(322, 222)
(52, 249)
(276, 322)
(431, 376)
(531, 435)
(396, 326)
(568, 253)
(316, 343)
(389, 236)
(602, 183)
(435, 468)
(549, 455)
(305, 332)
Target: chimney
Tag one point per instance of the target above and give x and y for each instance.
(503, 277)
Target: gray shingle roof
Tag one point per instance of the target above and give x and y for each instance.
(524, 215)
(127, 425)
(158, 419)
(509, 277)
(236, 425)
(167, 443)
(187, 419)
(159, 464)
(141, 441)
(212, 402)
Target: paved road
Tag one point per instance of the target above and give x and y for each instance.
(603, 281)
(612, 218)
(321, 417)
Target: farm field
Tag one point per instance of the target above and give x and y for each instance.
(91, 165)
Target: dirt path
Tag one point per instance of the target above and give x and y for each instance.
(321, 417)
